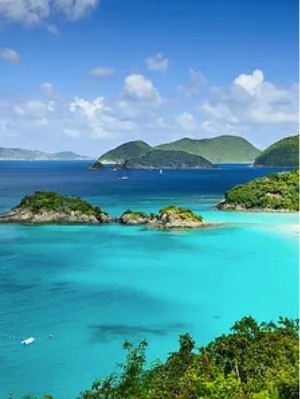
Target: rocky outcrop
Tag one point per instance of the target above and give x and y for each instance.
(168, 218)
(133, 218)
(27, 216)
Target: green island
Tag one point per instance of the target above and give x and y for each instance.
(170, 217)
(221, 149)
(284, 152)
(276, 192)
(159, 159)
(47, 207)
(51, 207)
(253, 361)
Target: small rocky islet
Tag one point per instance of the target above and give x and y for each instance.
(47, 207)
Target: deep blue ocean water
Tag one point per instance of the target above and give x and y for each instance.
(92, 287)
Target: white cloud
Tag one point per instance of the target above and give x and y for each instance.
(8, 54)
(99, 117)
(34, 12)
(157, 63)
(102, 71)
(251, 101)
(186, 121)
(138, 88)
(250, 82)
(195, 83)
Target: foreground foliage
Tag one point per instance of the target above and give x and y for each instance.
(52, 201)
(254, 361)
(278, 191)
(284, 152)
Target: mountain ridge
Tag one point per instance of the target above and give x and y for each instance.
(21, 154)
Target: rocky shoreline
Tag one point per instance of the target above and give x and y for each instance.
(223, 206)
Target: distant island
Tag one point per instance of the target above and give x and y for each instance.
(276, 192)
(284, 152)
(20, 154)
(222, 149)
(47, 207)
(159, 159)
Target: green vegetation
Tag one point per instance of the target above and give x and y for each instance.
(278, 191)
(222, 149)
(253, 361)
(159, 159)
(135, 214)
(284, 152)
(182, 213)
(125, 151)
(51, 201)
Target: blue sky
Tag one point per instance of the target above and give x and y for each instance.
(86, 75)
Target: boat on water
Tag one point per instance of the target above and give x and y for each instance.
(124, 177)
(28, 341)
(160, 171)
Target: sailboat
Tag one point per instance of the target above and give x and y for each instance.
(160, 171)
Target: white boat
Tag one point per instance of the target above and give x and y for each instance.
(124, 178)
(28, 341)
(160, 171)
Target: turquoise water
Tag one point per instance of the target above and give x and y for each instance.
(92, 287)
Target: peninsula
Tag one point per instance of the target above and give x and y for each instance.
(277, 192)
(47, 207)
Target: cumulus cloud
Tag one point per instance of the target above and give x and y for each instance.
(99, 117)
(138, 88)
(250, 101)
(102, 71)
(195, 83)
(158, 62)
(10, 55)
(34, 12)
(186, 121)
(250, 82)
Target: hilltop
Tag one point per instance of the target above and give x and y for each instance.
(124, 152)
(221, 149)
(276, 192)
(159, 159)
(14, 154)
(284, 152)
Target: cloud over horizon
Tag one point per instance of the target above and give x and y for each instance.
(250, 106)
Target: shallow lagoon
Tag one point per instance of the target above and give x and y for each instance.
(94, 287)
